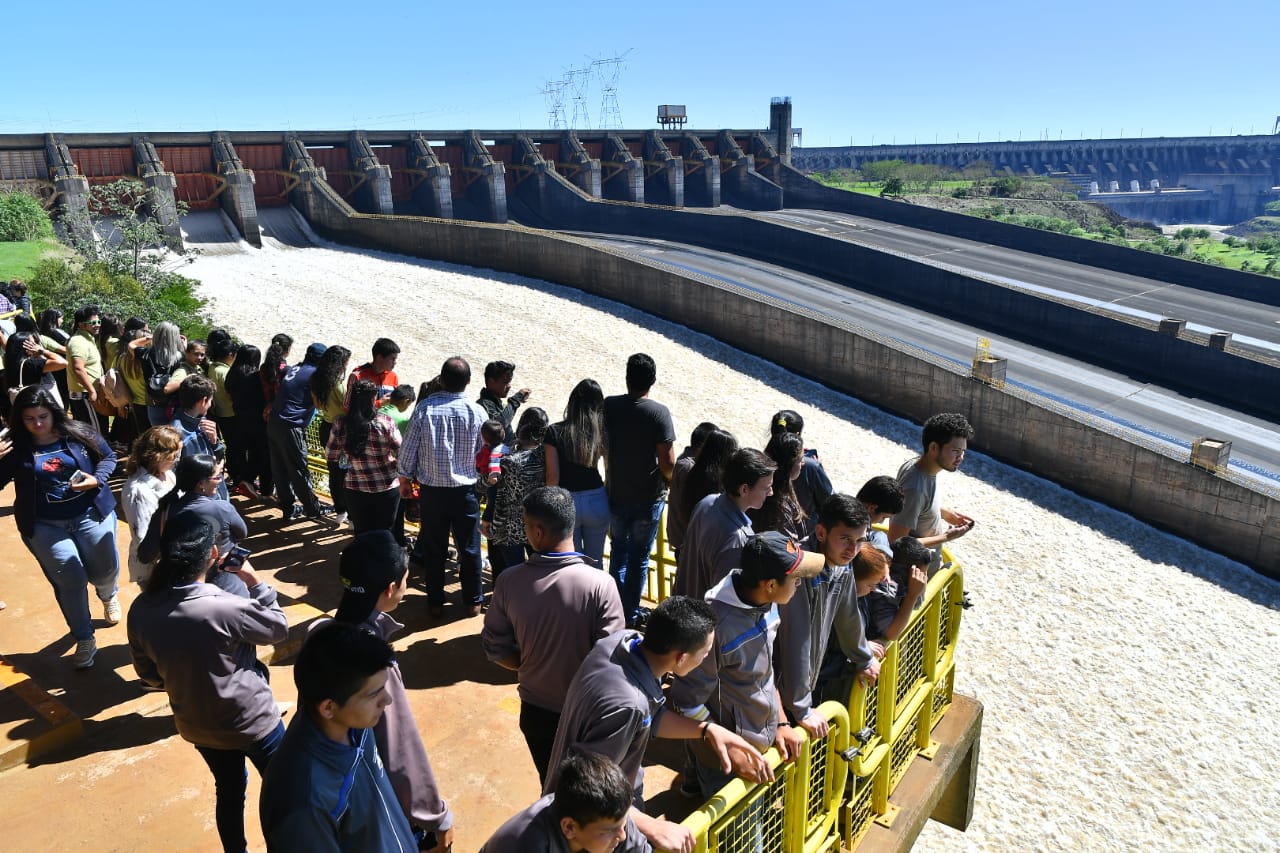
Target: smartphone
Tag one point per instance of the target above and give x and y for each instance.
(4, 433)
(235, 559)
(78, 477)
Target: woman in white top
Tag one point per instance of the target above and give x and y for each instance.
(150, 473)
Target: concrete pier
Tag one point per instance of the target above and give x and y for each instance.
(71, 190)
(576, 165)
(780, 127)
(622, 175)
(486, 184)
(740, 184)
(701, 172)
(664, 172)
(432, 180)
(237, 199)
(373, 192)
(161, 203)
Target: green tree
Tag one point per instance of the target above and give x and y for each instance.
(124, 235)
(22, 218)
(879, 171)
(892, 187)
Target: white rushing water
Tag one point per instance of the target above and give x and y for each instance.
(1127, 675)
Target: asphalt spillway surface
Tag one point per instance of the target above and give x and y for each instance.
(1157, 412)
(1255, 327)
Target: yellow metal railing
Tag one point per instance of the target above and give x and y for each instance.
(830, 795)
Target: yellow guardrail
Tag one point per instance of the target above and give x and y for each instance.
(886, 726)
(833, 792)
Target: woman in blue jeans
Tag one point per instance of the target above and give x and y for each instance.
(64, 509)
(573, 451)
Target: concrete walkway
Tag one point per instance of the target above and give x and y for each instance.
(90, 761)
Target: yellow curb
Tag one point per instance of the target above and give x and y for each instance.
(64, 726)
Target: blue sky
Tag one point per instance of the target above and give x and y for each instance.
(857, 73)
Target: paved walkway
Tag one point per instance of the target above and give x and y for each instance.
(112, 774)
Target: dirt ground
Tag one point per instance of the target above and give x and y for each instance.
(130, 783)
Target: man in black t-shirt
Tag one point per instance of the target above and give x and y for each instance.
(638, 467)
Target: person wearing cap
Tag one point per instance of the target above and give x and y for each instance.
(374, 571)
(822, 632)
(734, 685)
(616, 702)
(199, 644)
(291, 411)
(545, 616)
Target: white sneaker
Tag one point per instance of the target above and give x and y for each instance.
(340, 519)
(85, 651)
(111, 610)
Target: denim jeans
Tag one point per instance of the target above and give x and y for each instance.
(75, 552)
(450, 510)
(591, 523)
(504, 556)
(230, 779)
(632, 531)
(337, 476)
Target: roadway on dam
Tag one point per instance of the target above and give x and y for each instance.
(1256, 327)
(1157, 412)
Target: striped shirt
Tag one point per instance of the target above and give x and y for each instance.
(441, 441)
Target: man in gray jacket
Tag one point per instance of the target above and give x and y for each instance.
(734, 685)
(546, 614)
(198, 643)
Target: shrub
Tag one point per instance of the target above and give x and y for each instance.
(68, 286)
(22, 218)
(1006, 187)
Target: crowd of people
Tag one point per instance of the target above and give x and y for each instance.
(784, 592)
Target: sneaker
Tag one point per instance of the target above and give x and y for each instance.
(292, 513)
(246, 490)
(340, 518)
(473, 610)
(322, 511)
(111, 610)
(85, 652)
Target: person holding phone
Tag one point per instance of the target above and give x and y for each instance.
(199, 645)
(198, 478)
(64, 509)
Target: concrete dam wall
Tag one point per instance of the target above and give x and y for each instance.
(1092, 457)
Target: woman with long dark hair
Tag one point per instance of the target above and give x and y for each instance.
(523, 470)
(197, 479)
(813, 486)
(64, 509)
(574, 447)
(274, 363)
(704, 476)
(248, 458)
(56, 338)
(781, 511)
(363, 444)
(329, 392)
(26, 362)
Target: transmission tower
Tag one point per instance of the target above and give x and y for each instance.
(554, 91)
(579, 80)
(607, 73)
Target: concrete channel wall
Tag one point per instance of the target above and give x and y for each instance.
(1085, 454)
(1113, 340)
(804, 192)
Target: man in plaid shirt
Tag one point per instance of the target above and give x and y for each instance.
(441, 441)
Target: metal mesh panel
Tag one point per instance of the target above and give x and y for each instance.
(756, 825)
(942, 692)
(944, 621)
(815, 807)
(857, 812)
(910, 661)
(904, 749)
